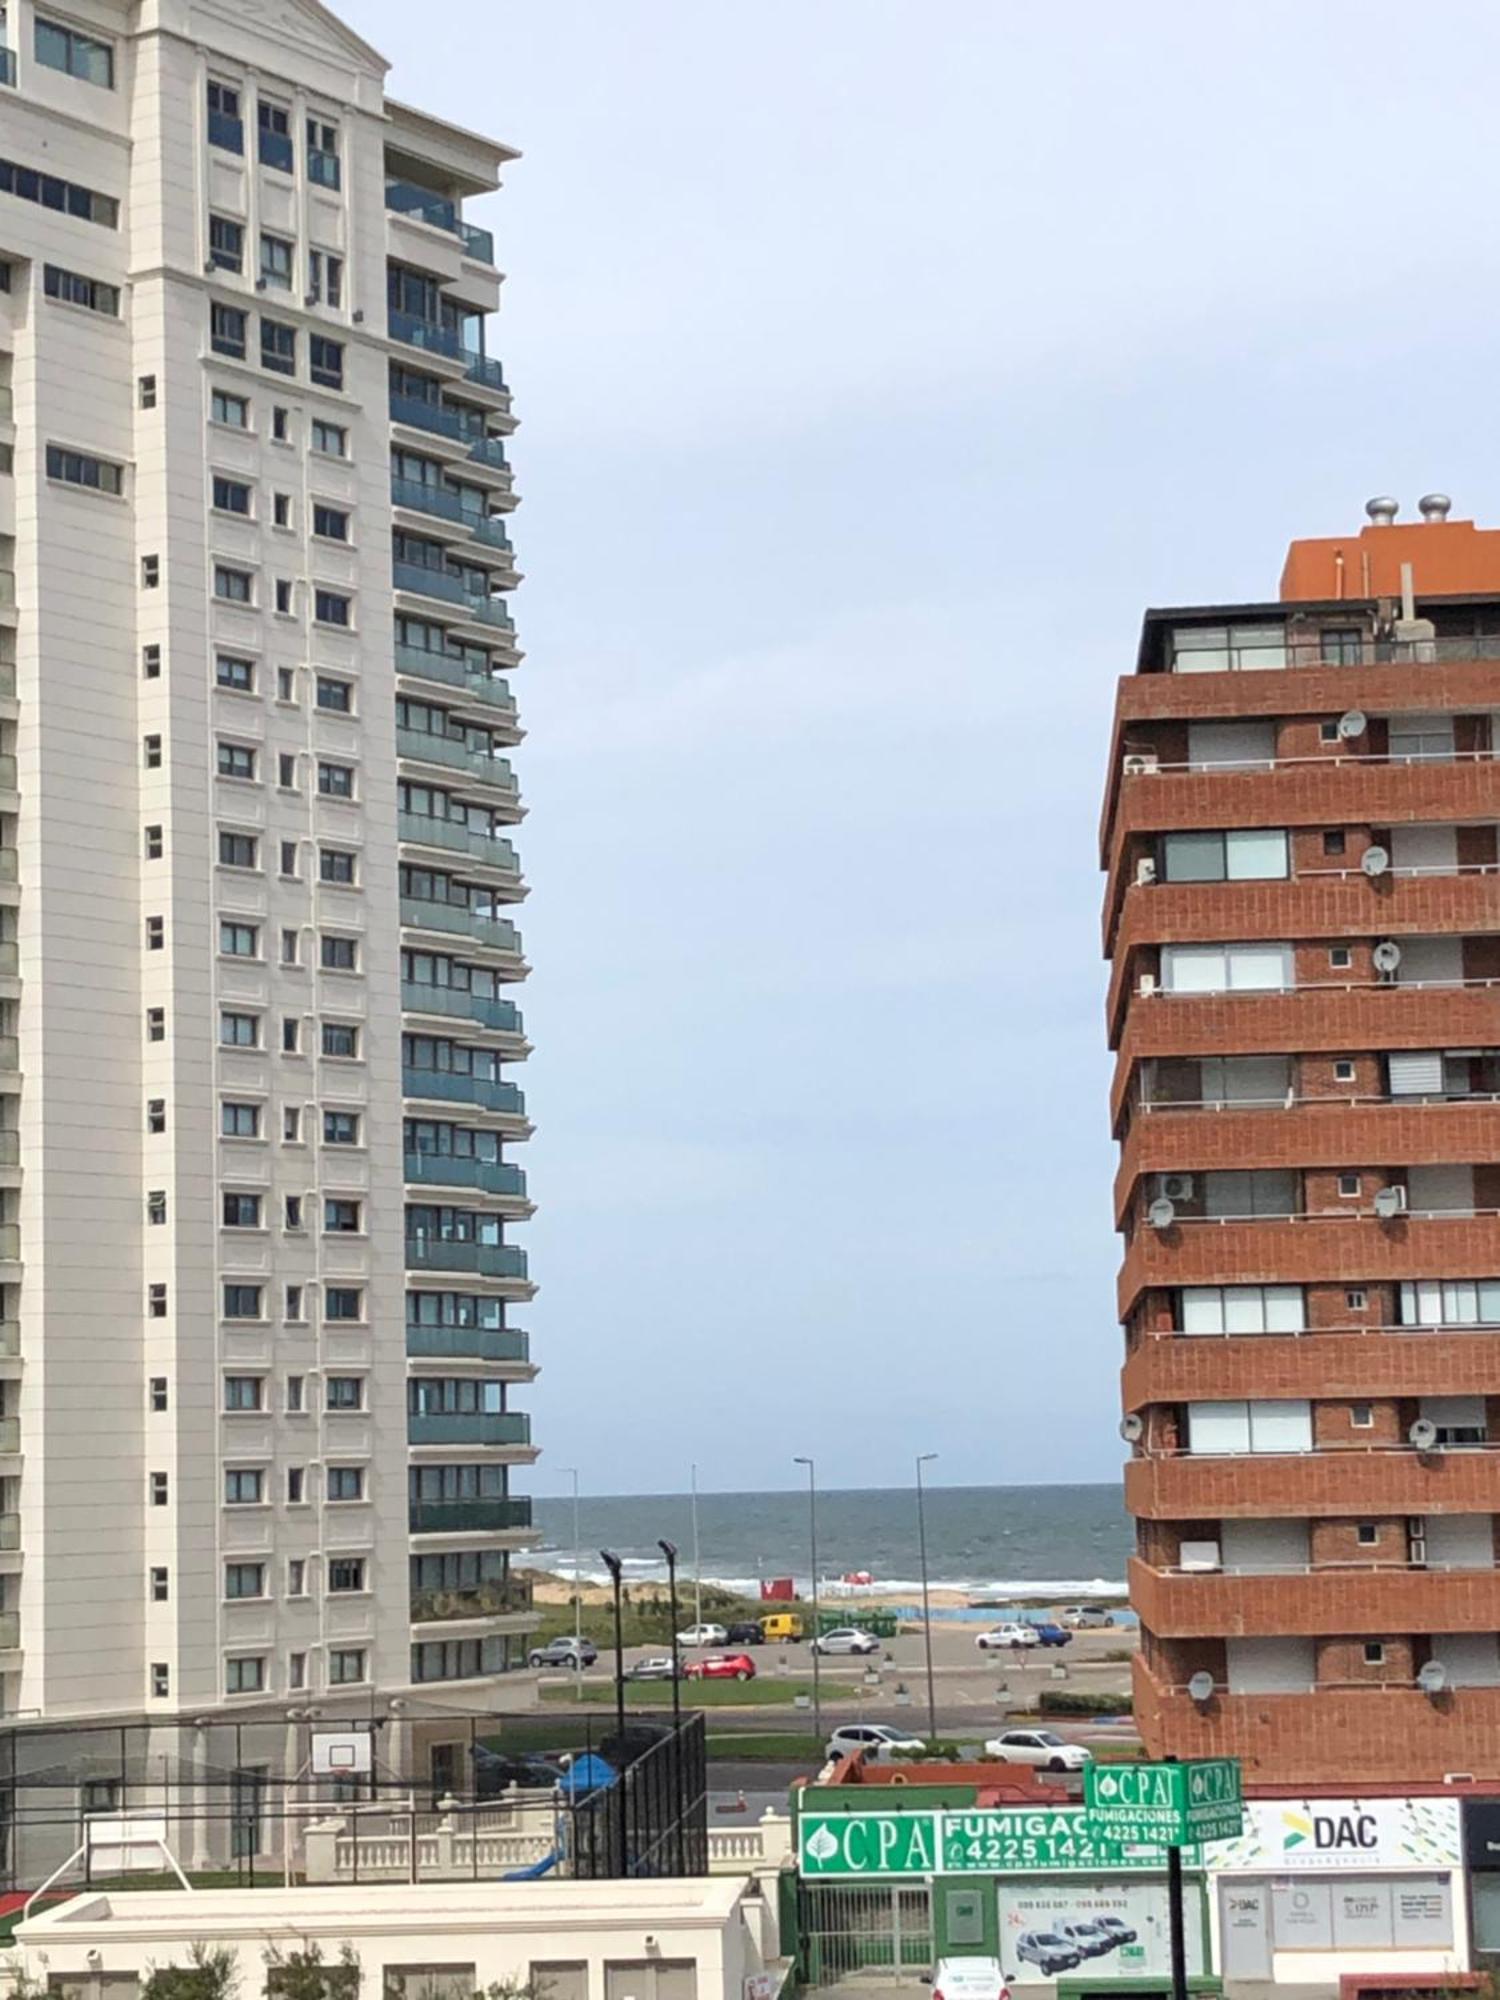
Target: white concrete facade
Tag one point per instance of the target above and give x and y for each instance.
(246, 1139)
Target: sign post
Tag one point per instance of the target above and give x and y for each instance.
(1170, 1805)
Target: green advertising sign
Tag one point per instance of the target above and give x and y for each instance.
(1168, 1804)
(973, 1841)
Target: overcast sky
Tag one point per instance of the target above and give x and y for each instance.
(878, 364)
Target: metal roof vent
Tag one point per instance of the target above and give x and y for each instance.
(1434, 506)
(1382, 510)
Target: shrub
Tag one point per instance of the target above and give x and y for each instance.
(210, 1974)
(304, 1974)
(1073, 1701)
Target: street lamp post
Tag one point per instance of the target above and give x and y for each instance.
(812, 1537)
(572, 1472)
(926, 1458)
(612, 1563)
(669, 1550)
(697, 1558)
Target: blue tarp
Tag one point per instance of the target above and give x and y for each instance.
(585, 1774)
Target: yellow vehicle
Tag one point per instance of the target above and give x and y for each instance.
(779, 1626)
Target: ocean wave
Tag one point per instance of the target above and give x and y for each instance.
(831, 1590)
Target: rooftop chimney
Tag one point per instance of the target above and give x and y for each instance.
(1382, 510)
(1434, 506)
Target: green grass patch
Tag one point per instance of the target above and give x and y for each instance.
(695, 1694)
(766, 1747)
(646, 1616)
(1117, 1753)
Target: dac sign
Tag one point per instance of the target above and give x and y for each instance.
(1303, 1834)
(1341, 1832)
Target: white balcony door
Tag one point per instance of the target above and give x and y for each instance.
(1431, 848)
(1435, 961)
(1470, 1659)
(1264, 1548)
(1270, 1666)
(1460, 1541)
(1444, 1190)
(1213, 745)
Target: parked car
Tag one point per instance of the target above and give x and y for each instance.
(1052, 1635)
(1091, 1939)
(969, 1979)
(746, 1633)
(1118, 1929)
(495, 1772)
(655, 1667)
(703, 1635)
(846, 1639)
(1087, 1618)
(1041, 1747)
(721, 1667)
(564, 1652)
(877, 1739)
(1000, 1636)
(1047, 1951)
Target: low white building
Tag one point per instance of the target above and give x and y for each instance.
(697, 1939)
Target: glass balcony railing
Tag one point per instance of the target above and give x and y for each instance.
(489, 530)
(10, 1532)
(10, 1156)
(468, 1427)
(498, 1177)
(456, 753)
(406, 198)
(419, 414)
(428, 334)
(478, 243)
(430, 582)
(457, 920)
(450, 1087)
(418, 997)
(427, 830)
(483, 370)
(10, 1435)
(10, 958)
(482, 1600)
(7, 773)
(473, 1343)
(274, 149)
(323, 168)
(10, 1631)
(10, 1342)
(227, 133)
(490, 689)
(424, 499)
(482, 1260)
(462, 1517)
(10, 1243)
(8, 66)
(489, 611)
(486, 450)
(8, 678)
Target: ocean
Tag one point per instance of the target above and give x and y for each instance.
(1004, 1541)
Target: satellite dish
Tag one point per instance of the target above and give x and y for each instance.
(1375, 860)
(1389, 1201)
(1355, 723)
(1386, 956)
(1162, 1213)
(1131, 1428)
(1423, 1434)
(1433, 1677)
(1201, 1687)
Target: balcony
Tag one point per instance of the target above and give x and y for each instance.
(1194, 1368)
(469, 1343)
(481, 1260)
(1314, 1601)
(428, 334)
(453, 672)
(485, 450)
(1392, 1479)
(487, 1427)
(10, 1243)
(454, 837)
(458, 920)
(418, 414)
(8, 67)
(10, 1631)
(425, 581)
(486, 1600)
(453, 1002)
(481, 370)
(456, 753)
(406, 198)
(497, 1177)
(228, 134)
(448, 1087)
(467, 1517)
(10, 1436)
(420, 498)
(10, 1533)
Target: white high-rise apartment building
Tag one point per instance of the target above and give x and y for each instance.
(256, 1437)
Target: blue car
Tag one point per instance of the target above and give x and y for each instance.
(1052, 1635)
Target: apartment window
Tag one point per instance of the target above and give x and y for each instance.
(156, 1024)
(74, 53)
(340, 1039)
(241, 1211)
(237, 940)
(284, 596)
(1328, 732)
(340, 1216)
(244, 1579)
(66, 197)
(334, 695)
(294, 1394)
(279, 422)
(1261, 1426)
(238, 850)
(241, 1301)
(226, 243)
(1456, 1302)
(156, 1114)
(286, 772)
(239, 1121)
(245, 1675)
(281, 510)
(234, 413)
(151, 663)
(231, 496)
(152, 750)
(156, 933)
(161, 1677)
(345, 1392)
(242, 1393)
(146, 392)
(346, 1573)
(235, 586)
(336, 781)
(332, 440)
(343, 1302)
(286, 692)
(159, 1394)
(292, 1212)
(238, 675)
(332, 523)
(225, 128)
(346, 1482)
(322, 153)
(326, 363)
(236, 760)
(325, 277)
(340, 1128)
(244, 1488)
(274, 135)
(1374, 1653)
(1367, 1534)
(156, 1206)
(278, 346)
(1340, 958)
(159, 1588)
(81, 468)
(295, 1485)
(276, 261)
(156, 1301)
(291, 1124)
(73, 289)
(1362, 1416)
(1343, 1072)
(296, 1576)
(158, 1489)
(346, 1664)
(1334, 840)
(150, 572)
(289, 947)
(340, 954)
(153, 843)
(331, 607)
(293, 1304)
(228, 330)
(1356, 1300)
(1349, 1187)
(1243, 854)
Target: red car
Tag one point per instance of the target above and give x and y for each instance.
(721, 1667)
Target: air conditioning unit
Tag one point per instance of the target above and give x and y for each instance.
(1177, 1187)
(1145, 986)
(1145, 871)
(1140, 763)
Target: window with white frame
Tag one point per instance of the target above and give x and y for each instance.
(1227, 968)
(1259, 1426)
(1243, 854)
(1235, 1309)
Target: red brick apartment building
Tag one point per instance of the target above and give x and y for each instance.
(1303, 924)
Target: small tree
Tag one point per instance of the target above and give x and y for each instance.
(304, 1974)
(212, 1973)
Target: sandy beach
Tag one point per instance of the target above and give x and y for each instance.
(550, 1589)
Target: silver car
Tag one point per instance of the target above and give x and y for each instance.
(846, 1639)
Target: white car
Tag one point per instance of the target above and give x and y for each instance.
(875, 1738)
(1002, 1636)
(969, 1979)
(1087, 1618)
(846, 1639)
(1040, 1747)
(703, 1635)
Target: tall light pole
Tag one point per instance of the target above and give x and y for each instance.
(926, 1458)
(669, 1550)
(612, 1563)
(697, 1558)
(572, 1472)
(812, 1537)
